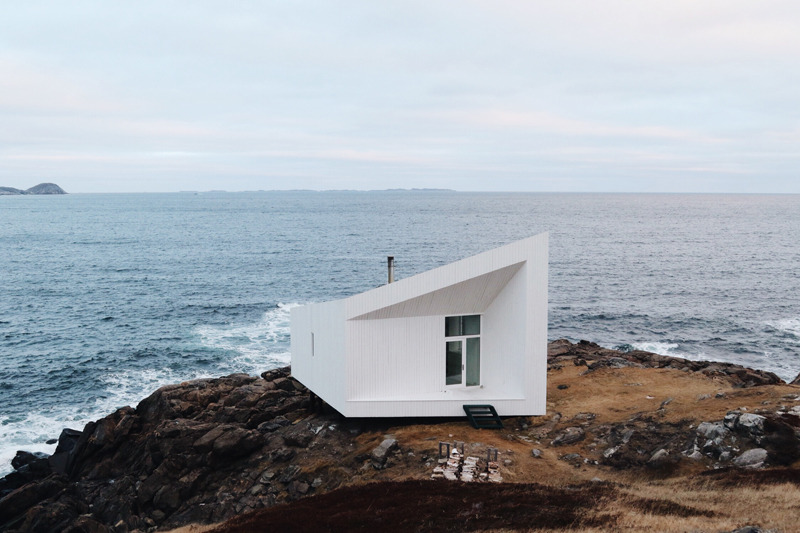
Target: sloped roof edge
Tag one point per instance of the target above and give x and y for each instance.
(471, 296)
(444, 276)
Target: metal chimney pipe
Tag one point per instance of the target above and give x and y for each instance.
(390, 261)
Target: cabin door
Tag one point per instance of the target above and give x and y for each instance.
(463, 355)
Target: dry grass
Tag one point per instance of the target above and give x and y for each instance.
(683, 499)
(644, 502)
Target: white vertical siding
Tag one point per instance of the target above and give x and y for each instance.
(504, 340)
(324, 371)
(536, 330)
(395, 358)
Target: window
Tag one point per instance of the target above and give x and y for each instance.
(463, 350)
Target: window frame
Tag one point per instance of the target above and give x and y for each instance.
(462, 338)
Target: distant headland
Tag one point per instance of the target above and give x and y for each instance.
(42, 188)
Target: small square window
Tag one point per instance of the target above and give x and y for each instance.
(471, 325)
(452, 326)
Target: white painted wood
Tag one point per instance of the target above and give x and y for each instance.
(382, 353)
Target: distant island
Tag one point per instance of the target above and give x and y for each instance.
(42, 188)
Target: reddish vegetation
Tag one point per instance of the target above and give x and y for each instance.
(431, 506)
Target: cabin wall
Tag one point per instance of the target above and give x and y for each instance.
(535, 368)
(396, 367)
(504, 337)
(320, 365)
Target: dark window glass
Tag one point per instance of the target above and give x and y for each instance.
(456, 326)
(471, 325)
(452, 326)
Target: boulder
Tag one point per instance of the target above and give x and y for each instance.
(572, 458)
(381, 452)
(751, 424)
(754, 458)
(23, 458)
(659, 456)
(569, 436)
(712, 430)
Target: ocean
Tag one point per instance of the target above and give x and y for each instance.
(106, 297)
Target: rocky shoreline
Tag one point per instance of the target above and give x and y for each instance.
(206, 451)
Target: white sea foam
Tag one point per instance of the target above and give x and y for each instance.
(670, 349)
(32, 433)
(257, 346)
(254, 348)
(790, 326)
(661, 348)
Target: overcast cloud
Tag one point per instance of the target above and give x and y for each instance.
(694, 96)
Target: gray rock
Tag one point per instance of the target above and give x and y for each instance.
(610, 451)
(266, 477)
(380, 453)
(289, 474)
(298, 487)
(751, 458)
(730, 419)
(569, 436)
(23, 458)
(536, 453)
(751, 423)
(658, 456)
(712, 430)
(626, 436)
(694, 455)
(612, 362)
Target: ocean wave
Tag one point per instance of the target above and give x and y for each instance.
(790, 327)
(661, 348)
(671, 349)
(256, 346)
(31, 433)
(251, 348)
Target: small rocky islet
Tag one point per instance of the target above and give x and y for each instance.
(626, 434)
(42, 188)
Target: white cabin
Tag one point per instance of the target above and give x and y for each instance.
(471, 332)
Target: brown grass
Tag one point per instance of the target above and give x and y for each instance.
(560, 496)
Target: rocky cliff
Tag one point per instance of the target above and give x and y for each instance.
(206, 451)
(42, 188)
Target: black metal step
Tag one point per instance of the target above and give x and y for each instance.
(483, 416)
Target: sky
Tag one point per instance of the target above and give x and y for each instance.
(572, 95)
